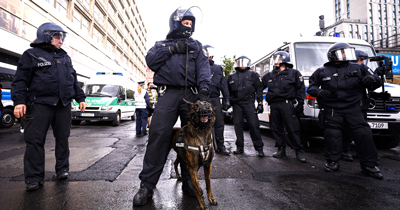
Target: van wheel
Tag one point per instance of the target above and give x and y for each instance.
(76, 122)
(117, 120)
(387, 142)
(7, 118)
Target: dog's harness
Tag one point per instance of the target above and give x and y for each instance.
(202, 150)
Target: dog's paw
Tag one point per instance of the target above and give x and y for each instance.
(213, 201)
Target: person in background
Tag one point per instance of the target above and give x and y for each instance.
(285, 89)
(44, 85)
(151, 98)
(182, 72)
(339, 87)
(244, 87)
(141, 102)
(218, 84)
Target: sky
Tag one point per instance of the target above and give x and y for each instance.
(252, 28)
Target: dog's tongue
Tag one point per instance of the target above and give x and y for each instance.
(204, 119)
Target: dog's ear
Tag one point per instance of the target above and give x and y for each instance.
(188, 102)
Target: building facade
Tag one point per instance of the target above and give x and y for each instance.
(370, 20)
(103, 35)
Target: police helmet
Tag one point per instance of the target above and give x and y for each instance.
(176, 29)
(242, 62)
(341, 51)
(209, 50)
(362, 56)
(281, 57)
(47, 31)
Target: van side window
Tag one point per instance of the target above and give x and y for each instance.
(130, 94)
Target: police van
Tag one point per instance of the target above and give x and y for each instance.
(7, 117)
(307, 55)
(109, 97)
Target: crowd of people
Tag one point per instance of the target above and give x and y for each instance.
(185, 69)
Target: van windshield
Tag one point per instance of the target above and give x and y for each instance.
(102, 90)
(311, 56)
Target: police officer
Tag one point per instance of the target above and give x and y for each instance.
(43, 86)
(141, 102)
(181, 71)
(286, 93)
(244, 87)
(218, 84)
(362, 59)
(339, 87)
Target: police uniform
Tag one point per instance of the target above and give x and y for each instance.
(344, 105)
(244, 86)
(284, 89)
(141, 102)
(218, 84)
(169, 76)
(45, 81)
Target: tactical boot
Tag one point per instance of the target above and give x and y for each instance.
(300, 156)
(260, 153)
(33, 186)
(331, 166)
(239, 150)
(280, 153)
(222, 152)
(347, 157)
(372, 171)
(63, 175)
(141, 196)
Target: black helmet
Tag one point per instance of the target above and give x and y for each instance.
(242, 61)
(361, 55)
(46, 31)
(209, 52)
(282, 57)
(341, 51)
(176, 29)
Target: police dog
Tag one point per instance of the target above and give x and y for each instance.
(193, 144)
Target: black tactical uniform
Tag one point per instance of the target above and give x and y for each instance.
(339, 87)
(46, 82)
(244, 87)
(168, 60)
(285, 89)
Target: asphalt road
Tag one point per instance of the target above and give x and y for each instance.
(105, 163)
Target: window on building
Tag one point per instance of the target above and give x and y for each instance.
(120, 6)
(99, 16)
(103, 2)
(110, 29)
(119, 39)
(62, 7)
(111, 10)
(86, 4)
(97, 36)
(110, 47)
(119, 22)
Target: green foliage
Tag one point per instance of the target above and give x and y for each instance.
(227, 65)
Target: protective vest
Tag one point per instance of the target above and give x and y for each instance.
(140, 101)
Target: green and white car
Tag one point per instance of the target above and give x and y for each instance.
(109, 97)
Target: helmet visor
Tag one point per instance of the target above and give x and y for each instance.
(346, 54)
(55, 34)
(242, 62)
(278, 59)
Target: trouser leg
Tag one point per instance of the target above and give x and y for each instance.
(333, 134)
(254, 125)
(38, 120)
(238, 124)
(61, 129)
(144, 120)
(362, 135)
(276, 125)
(138, 121)
(292, 125)
(219, 123)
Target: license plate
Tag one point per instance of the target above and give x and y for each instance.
(87, 114)
(378, 125)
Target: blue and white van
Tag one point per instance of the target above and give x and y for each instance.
(307, 55)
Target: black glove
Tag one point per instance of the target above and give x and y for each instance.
(179, 47)
(300, 110)
(379, 71)
(260, 108)
(203, 95)
(368, 80)
(323, 93)
(225, 104)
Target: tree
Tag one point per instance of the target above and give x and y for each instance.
(227, 65)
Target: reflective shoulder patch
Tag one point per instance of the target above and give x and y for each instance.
(370, 71)
(42, 64)
(326, 78)
(301, 78)
(205, 52)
